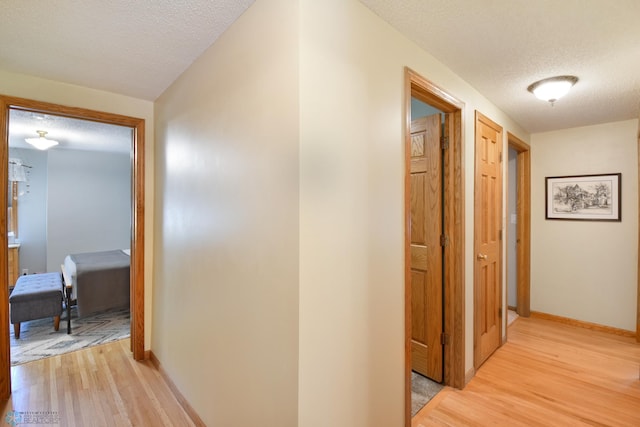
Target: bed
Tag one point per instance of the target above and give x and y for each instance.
(99, 281)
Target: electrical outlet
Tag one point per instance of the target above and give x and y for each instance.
(25, 271)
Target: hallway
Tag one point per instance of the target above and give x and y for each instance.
(547, 374)
(99, 386)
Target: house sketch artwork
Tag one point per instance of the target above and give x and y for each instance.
(593, 197)
(586, 197)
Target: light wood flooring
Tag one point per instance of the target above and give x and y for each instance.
(547, 374)
(99, 386)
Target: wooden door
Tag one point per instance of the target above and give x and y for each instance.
(426, 252)
(488, 236)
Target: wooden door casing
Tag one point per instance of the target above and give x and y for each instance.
(488, 239)
(137, 220)
(426, 252)
(453, 226)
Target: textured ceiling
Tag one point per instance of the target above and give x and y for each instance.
(500, 47)
(137, 48)
(71, 134)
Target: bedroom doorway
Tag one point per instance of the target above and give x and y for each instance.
(136, 278)
(451, 241)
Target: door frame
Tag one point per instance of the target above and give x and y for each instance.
(453, 208)
(137, 219)
(523, 220)
(638, 261)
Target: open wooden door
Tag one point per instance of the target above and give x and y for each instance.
(488, 237)
(426, 251)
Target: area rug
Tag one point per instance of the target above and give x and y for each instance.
(422, 391)
(38, 339)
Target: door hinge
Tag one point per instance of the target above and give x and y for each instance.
(500, 234)
(501, 156)
(499, 312)
(444, 142)
(444, 339)
(444, 240)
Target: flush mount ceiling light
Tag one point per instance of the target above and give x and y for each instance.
(41, 143)
(553, 88)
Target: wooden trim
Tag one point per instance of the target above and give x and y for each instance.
(582, 324)
(138, 211)
(407, 250)
(638, 261)
(523, 228)
(176, 392)
(5, 349)
(487, 121)
(137, 244)
(453, 175)
(454, 295)
(73, 112)
(468, 376)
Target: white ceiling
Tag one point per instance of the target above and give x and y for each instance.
(71, 134)
(138, 48)
(500, 47)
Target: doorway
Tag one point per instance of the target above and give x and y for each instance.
(519, 258)
(427, 127)
(137, 219)
(72, 198)
(451, 338)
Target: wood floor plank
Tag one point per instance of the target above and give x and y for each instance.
(547, 374)
(99, 386)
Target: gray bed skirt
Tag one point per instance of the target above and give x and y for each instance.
(102, 281)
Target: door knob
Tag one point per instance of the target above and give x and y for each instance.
(482, 256)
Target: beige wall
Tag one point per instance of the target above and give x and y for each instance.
(586, 270)
(29, 87)
(226, 292)
(351, 211)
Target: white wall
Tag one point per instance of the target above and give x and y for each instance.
(581, 269)
(226, 255)
(88, 203)
(29, 87)
(351, 211)
(32, 211)
(74, 201)
(420, 109)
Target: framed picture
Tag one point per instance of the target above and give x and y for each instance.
(583, 197)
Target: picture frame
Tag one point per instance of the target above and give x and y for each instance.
(584, 197)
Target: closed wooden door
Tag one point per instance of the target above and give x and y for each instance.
(488, 235)
(426, 252)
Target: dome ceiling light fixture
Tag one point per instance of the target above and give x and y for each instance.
(41, 143)
(553, 88)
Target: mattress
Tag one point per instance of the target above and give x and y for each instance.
(92, 266)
